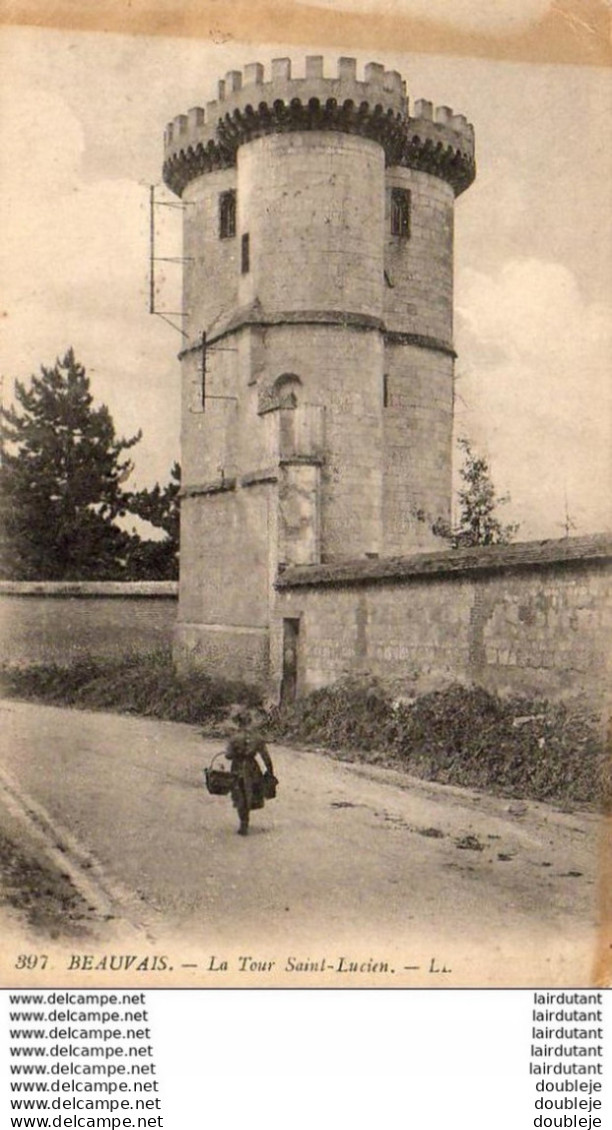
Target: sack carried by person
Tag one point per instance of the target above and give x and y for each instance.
(269, 785)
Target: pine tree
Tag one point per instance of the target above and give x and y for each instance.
(158, 560)
(61, 481)
(478, 522)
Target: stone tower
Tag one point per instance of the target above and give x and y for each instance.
(317, 420)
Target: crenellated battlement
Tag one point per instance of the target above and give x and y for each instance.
(248, 87)
(206, 138)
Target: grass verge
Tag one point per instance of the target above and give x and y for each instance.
(130, 684)
(463, 736)
(45, 897)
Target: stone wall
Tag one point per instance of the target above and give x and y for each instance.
(313, 206)
(226, 577)
(533, 618)
(417, 441)
(419, 269)
(54, 622)
(209, 255)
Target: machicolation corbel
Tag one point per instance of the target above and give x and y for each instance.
(436, 141)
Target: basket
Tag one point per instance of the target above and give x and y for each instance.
(218, 781)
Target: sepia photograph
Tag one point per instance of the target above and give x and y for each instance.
(305, 470)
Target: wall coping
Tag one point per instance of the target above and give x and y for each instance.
(566, 552)
(130, 589)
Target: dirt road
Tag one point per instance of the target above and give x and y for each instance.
(353, 875)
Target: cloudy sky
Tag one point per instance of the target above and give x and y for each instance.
(82, 121)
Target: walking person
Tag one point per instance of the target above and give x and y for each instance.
(250, 786)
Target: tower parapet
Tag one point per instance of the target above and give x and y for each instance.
(436, 141)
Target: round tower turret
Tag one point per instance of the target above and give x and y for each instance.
(318, 268)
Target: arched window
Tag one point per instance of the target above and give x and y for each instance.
(227, 215)
(400, 212)
(286, 390)
(286, 394)
(245, 254)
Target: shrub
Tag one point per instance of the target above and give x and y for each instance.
(465, 736)
(460, 735)
(132, 683)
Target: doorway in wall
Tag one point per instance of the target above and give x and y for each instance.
(291, 636)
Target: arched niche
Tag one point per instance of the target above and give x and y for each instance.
(285, 392)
